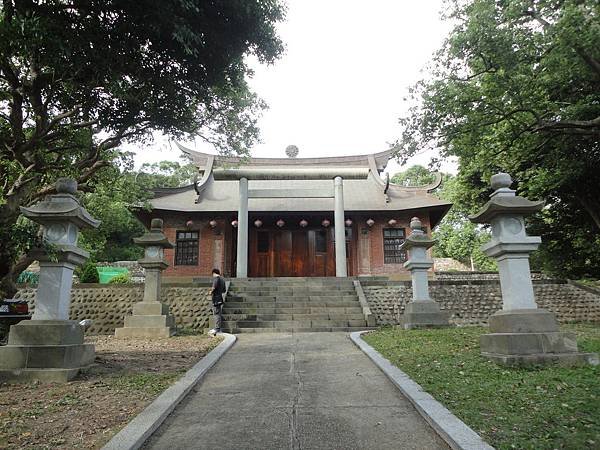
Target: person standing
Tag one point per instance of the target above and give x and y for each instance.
(217, 291)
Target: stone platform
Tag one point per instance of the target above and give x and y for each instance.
(292, 304)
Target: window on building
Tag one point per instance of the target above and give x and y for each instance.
(186, 248)
(392, 240)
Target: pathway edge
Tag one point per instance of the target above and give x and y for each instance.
(450, 428)
(141, 427)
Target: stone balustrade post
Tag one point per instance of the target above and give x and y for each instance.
(50, 347)
(521, 333)
(422, 311)
(150, 317)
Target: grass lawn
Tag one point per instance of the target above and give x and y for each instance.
(551, 408)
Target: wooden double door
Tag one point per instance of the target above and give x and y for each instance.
(291, 253)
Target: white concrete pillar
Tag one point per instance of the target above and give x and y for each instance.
(340, 231)
(242, 241)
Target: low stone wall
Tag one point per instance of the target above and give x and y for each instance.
(468, 275)
(471, 302)
(107, 305)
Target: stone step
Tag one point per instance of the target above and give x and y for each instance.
(298, 299)
(278, 304)
(278, 317)
(295, 310)
(294, 330)
(149, 321)
(293, 324)
(290, 292)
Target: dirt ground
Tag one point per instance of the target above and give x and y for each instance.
(87, 412)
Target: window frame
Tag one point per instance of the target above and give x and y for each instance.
(393, 255)
(183, 260)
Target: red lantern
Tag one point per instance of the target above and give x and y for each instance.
(280, 223)
(234, 224)
(258, 223)
(326, 223)
(189, 224)
(303, 223)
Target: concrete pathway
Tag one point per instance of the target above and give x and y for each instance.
(295, 391)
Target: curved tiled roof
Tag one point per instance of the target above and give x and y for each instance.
(367, 194)
(202, 159)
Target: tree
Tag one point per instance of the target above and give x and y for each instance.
(516, 87)
(77, 79)
(116, 192)
(414, 176)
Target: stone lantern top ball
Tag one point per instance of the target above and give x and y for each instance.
(415, 224)
(291, 151)
(66, 186)
(500, 180)
(156, 225)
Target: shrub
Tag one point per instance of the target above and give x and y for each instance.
(122, 278)
(89, 273)
(31, 278)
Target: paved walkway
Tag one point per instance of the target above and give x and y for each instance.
(295, 391)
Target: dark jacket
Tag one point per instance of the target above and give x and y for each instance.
(218, 290)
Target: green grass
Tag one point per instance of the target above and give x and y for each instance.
(550, 408)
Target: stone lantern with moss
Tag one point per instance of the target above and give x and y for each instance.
(150, 317)
(521, 333)
(422, 311)
(50, 347)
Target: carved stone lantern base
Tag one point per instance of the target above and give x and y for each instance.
(528, 337)
(45, 350)
(149, 320)
(423, 314)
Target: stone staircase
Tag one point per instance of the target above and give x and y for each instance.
(292, 304)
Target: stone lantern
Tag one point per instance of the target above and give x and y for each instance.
(150, 317)
(521, 333)
(50, 346)
(421, 311)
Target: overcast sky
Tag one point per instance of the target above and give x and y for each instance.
(339, 87)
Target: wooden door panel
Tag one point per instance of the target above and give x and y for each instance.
(284, 254)
(300, 263)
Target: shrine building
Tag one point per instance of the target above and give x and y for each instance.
(284, 217)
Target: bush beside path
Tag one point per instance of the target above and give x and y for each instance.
(86, 413)
(551, 408)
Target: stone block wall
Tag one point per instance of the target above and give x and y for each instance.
(471, 302)
(107, 305)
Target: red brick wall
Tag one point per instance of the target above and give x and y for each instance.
(377, 265)
(225, 233)
(207, 259)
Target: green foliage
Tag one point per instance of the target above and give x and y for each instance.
(89, 273)
(115, 194)
(516, 87)
(122, 278)
(457, 237)
(414, 176)
(77, 81)
(534, 408)
(31, 278)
